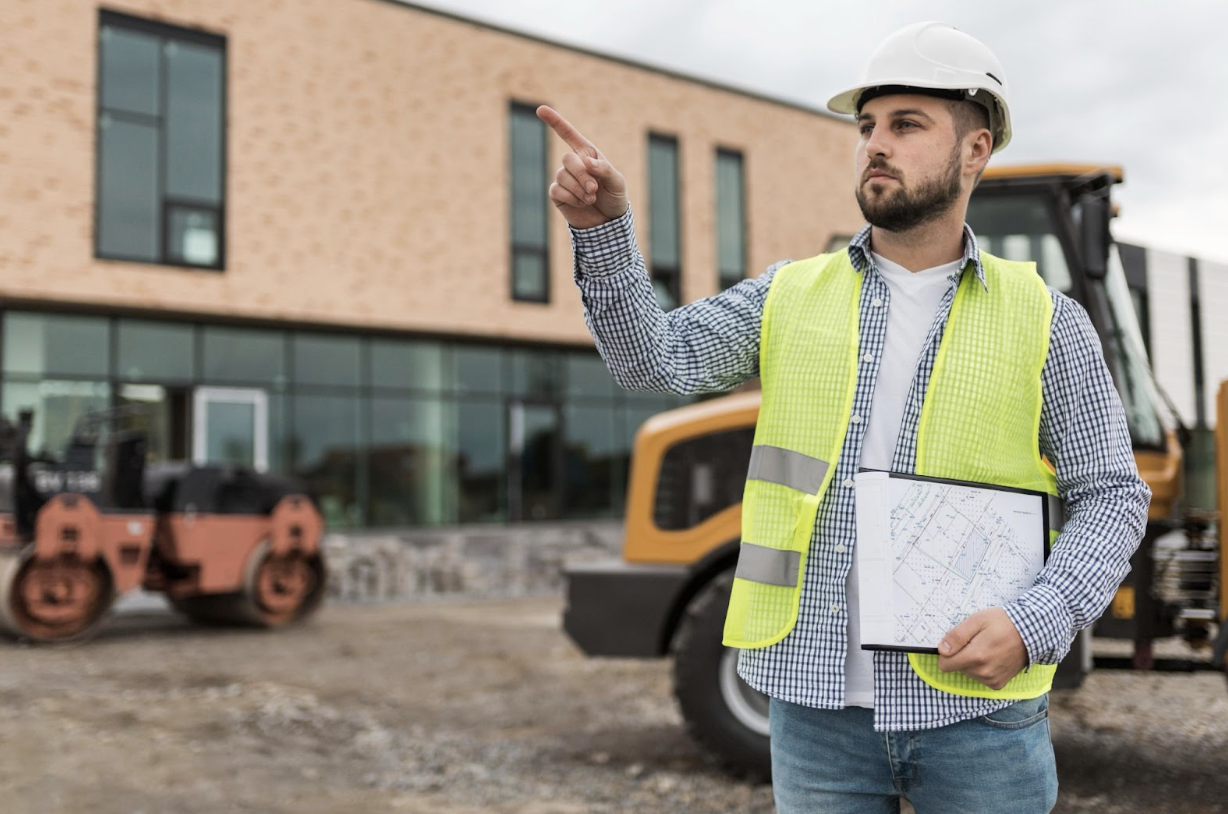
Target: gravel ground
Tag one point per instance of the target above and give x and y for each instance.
(463, 707)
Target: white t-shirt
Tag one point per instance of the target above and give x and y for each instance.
(913, 301)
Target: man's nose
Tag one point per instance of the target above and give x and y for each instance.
(877, 143)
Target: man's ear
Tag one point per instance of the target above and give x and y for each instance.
(979, 146)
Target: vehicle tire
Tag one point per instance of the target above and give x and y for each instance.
(722, 711)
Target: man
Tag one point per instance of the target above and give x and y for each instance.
(848, 350)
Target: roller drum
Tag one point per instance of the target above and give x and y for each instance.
(277, 590)
(57, 599)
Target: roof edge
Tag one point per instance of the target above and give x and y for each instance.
(644, 66)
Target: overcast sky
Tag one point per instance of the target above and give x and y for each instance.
(1140, 84)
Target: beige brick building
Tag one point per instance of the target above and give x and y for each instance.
(312, 235)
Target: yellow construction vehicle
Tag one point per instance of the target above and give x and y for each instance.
(667, 595)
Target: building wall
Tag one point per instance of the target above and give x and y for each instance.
(367, 157)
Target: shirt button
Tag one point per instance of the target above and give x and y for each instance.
(835, 609)
(856, 419)
(840, 549)
(869, 357)
(848, 483)
(878, 302)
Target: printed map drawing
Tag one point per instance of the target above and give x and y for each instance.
(955, 551)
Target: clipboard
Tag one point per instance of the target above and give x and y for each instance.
(932, 551)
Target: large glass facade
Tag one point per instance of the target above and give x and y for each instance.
(386, 431)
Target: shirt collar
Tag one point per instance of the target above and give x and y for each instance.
(859, 253)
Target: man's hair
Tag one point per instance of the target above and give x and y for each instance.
(969, 116)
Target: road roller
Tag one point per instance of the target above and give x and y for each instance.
(224, 543)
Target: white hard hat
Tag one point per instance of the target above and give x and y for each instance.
(935, 57)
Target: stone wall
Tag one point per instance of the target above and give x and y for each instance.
(471, 560)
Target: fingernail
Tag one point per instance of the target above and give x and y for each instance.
(591, 186)
(944, 648)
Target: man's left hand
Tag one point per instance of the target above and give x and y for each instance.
(986, 647)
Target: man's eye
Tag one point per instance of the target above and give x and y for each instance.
(906, 124)
(866, 129)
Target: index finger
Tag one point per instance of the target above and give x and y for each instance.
(565, 129)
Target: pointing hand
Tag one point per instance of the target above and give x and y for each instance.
(587, 190)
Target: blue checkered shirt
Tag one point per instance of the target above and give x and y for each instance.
(712, 345)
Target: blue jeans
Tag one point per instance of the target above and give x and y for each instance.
(833, 762)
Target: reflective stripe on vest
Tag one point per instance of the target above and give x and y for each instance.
(979, 422)
(770, 566)
(786, 467)
(794, 453)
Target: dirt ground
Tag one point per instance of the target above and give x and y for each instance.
(463, 707)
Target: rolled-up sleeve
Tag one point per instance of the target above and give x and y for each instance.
(1083, 431)
(708, 346)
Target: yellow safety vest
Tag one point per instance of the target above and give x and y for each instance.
(979, 422)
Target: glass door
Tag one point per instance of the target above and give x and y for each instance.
(231, 426)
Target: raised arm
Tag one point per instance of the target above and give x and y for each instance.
(707, 346)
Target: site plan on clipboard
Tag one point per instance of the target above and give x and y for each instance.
(931, 552)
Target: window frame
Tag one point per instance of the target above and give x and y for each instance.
(723, 279)
(166, 202)
(516, 249)
(656, 268)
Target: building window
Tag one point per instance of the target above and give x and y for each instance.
(56, 366)
(730, 218)
(701, 477)
(664, 235)
(161, 144)
(327, 452)
(529, 209)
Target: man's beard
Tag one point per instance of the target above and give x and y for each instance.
(902, 210)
